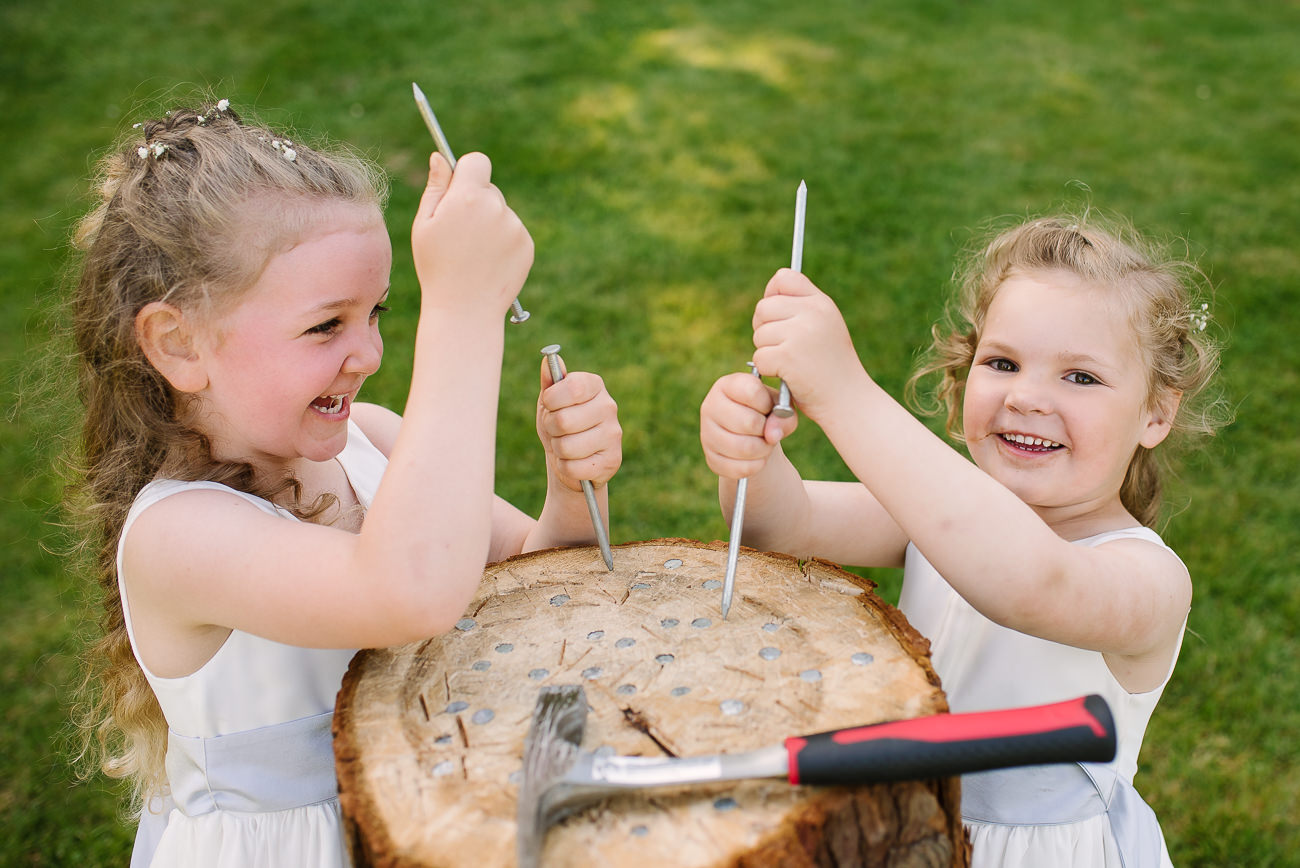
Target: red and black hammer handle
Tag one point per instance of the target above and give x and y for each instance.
(1077, 730)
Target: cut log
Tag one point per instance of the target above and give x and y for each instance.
(429, 736)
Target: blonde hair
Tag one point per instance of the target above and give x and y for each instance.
(1164, 298)
(191, 207)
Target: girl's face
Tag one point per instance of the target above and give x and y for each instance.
(284, 365)
(1056, 400)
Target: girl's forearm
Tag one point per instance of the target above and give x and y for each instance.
(776, 506)
(430, 526)
(839, 521)
(960, 517)
(565, 518)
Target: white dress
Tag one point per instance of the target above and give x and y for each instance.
(250, 760)
(1078, 814)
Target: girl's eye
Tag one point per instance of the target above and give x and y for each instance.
(1002, 365)
(379, 308)
(1082, 378)
(326, 328)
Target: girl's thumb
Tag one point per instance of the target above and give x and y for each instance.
(439, 180)
(789, 282)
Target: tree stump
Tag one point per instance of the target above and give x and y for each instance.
(429, 736)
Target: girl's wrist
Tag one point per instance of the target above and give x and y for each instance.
(843, 398)
(459, 317)
(565, 519)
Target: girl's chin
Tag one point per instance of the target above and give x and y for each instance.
(325, 448)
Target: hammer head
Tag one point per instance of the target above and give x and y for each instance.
(550, 750)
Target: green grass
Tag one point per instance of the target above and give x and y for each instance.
(653, 150)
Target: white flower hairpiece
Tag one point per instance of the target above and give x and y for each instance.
(283, 146)
(157, 149)
(1200, 318)
(221, 106)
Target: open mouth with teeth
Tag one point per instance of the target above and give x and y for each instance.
(1026, 443)
(330, 405)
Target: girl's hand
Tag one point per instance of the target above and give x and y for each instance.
(800, 336)
(577, 422)
(472, 253)
(736, 429)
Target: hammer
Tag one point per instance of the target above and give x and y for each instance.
(560, 778)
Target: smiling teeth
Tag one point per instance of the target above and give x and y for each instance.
(1024, 440)
(335, 404)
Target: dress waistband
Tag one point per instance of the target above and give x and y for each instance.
(272, 768)
(1068, 793)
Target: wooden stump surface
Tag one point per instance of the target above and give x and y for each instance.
(429, 736)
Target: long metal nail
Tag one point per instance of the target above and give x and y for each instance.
(733, 542)
(783, 407)
(517, 312)
(552, 353)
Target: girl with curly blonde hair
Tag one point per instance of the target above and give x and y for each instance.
(1071, 354)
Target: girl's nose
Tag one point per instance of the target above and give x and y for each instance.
(366, 353)
(1026, 396)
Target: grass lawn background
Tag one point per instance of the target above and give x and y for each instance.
(653, 151)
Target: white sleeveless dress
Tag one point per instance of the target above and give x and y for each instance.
(1078, 814)
(250, 761)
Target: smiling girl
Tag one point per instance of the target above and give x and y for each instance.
(253, 523)
(1034, 572)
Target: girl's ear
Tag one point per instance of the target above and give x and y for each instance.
(166, 336)
(1161, 419)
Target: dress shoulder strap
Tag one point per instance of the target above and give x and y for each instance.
(161, 489)
(363, 463)
(1139, 532)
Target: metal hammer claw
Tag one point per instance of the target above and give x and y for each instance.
(560, 777)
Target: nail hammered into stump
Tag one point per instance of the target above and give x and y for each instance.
(733, 542)
(552, 353)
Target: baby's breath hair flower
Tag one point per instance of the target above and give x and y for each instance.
(223, 104)
(282, 145)
(156, 150)
(1201, 318)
